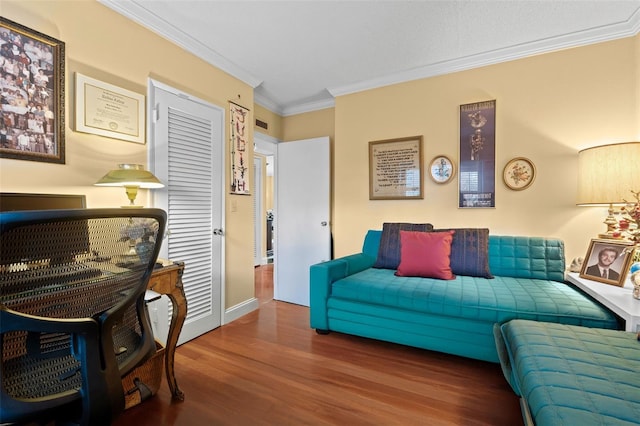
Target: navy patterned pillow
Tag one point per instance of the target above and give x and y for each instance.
(470, 252)
(389, 250)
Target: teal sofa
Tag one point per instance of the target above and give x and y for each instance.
(349, 295)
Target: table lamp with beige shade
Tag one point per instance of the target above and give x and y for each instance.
(606, 176)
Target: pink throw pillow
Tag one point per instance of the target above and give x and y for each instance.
(425, 254)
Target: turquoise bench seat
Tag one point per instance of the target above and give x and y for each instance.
(570, 375)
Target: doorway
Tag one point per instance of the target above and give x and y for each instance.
(264, 170)
(303, 228)
(301, 212)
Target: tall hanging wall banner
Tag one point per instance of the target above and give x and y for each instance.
(239, 143)
(477, 155)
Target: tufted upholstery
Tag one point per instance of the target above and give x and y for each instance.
(526, 257)
(570, 375)
(498, 300)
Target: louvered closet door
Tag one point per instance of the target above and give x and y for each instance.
(187, 156)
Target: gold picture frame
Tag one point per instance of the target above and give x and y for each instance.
(107, 110)
(519, 173)
(32, 121)
(613, 255)
(396, 169)
(442, 169)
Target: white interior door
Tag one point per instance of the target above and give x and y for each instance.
(302, 228)
(186, 153)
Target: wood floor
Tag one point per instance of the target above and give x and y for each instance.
(270, 368)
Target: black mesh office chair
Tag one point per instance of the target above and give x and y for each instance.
(72, 314)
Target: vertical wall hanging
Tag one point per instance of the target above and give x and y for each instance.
(239, 143)
(477, 155)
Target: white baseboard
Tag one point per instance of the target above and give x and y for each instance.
(239, 310)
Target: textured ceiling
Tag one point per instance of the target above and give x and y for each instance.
(298, 55)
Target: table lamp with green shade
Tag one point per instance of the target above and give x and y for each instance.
(606, 176)
(131, 177)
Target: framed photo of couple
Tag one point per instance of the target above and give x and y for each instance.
(607, 261)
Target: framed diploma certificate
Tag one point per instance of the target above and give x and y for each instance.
(107, 110)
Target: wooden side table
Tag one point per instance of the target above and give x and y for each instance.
(168, 280)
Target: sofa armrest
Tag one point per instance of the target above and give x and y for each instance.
(322, 275)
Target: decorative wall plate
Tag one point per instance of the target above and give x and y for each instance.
(441, 169)
(519, 173)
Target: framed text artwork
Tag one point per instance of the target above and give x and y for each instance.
(395, 169)
(107, 110)
(32, 84)
(477, 155)
(239, 133)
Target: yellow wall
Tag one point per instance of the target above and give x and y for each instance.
(104, 45)
(548, 108)
(309, 125)
(273, 120)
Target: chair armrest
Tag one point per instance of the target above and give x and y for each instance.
(101, 385)
(17, 321)
(322, 275)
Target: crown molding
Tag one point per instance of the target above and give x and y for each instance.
(135, 11)
(619, 30)
(266, 102)
(309, 107)
(300, 108)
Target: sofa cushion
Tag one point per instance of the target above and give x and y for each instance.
(498, 300)
(573, 375)
(425, 254)
(527, 257)
(470, 252)
(389, 249)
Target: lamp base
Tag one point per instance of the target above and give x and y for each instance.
(612, 226)
(131, 206)
(610, 237)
